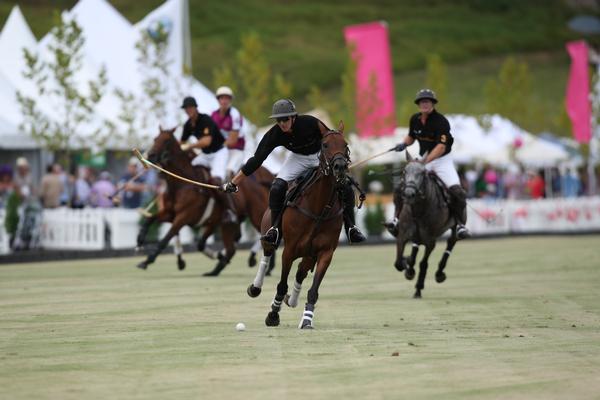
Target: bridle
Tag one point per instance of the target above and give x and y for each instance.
(420, 195)
(326, 164)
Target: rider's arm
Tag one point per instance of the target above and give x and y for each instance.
(437, 152)
(202, 143)
(408, 140)
(265, 147)
(232, 139)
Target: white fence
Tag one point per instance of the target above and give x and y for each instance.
(97, 229)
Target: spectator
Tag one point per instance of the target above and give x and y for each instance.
(571, 183)
(535, 185)
(22, 180)
(132, 195)
(6, 184)
(82, 188)
(65, 195)
(101, 191)
(513, 182)
(51, 187)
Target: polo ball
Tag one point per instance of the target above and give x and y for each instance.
(240, 327)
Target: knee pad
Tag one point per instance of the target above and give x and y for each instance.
(277, 193)
(458, 193)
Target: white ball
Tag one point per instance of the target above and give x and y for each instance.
(240, 327)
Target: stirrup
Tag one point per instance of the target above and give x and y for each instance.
(392, 227)
(355, 235)
(271, 236)
(462, 232)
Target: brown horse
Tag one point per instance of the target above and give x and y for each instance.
(187, 204)
(311, 229)
(422, 218)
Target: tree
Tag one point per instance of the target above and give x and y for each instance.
(224, 76)
(510, 93)
(254, 76)
(348, 98)
(436, 78)
(282, 89)
(71, 120)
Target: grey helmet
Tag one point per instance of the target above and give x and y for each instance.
(284, 108)
(426, 94)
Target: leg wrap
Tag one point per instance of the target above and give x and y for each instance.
(262, 269)
(293, 300)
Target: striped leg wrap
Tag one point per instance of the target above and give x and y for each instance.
(262, 269)
(448, 252)
(276, 305)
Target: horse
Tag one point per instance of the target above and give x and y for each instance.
(187, 204)
(311, 227)
(423, 218)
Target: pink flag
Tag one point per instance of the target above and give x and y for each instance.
(578, 104)
(375, 109)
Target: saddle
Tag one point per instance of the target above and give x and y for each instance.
(443, 189)
(299, 186)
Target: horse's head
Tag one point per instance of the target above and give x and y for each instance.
(164, 148)
(335, 155)
(414, 179)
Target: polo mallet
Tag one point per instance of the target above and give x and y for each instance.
(151, 164)
(145, 212)
(356, 164)
(113, 197)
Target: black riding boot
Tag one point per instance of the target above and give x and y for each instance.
(392, 226)
(352, 232)
(276, 200)
(229, 213)
(458, 208)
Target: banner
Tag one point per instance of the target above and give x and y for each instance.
(578, 103)
(375, 108)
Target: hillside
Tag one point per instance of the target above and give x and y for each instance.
(304, 42)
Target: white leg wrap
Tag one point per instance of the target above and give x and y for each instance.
(448, 252)
(293, 300)
(210, 253)
(177, 247)
(262, 270)
(308, 316)
(415, 245)
(256, 247)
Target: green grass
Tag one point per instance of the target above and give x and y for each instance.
(304, 41)
(517, 318)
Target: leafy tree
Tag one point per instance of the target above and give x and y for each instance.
(224, 76)
(282, 89)
(436, 78)
(509, 94)
(72, 115)
(254, 76)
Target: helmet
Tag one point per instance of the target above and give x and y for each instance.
(224, 91)
(425, 94)
(283, 108)
(189, 102)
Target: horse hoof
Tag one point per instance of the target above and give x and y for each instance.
(200, 246)
(143, 265)
(400, 265)
(306, 324)
(252, 260)
(440, 276)
(181, 264)
(409, 273)
(417, 295)
(272, 319)
(253, 291)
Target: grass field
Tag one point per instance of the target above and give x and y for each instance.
(517, 318)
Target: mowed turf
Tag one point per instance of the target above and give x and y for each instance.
(517, 318)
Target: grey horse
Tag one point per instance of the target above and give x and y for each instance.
(423, 216)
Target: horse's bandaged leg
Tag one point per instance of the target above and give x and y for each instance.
(177, 247)
(307, 316)
(262, 269)
(293, 300)
(276, 304)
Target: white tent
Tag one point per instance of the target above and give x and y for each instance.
(110, 43)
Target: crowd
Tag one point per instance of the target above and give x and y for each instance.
(516, 182)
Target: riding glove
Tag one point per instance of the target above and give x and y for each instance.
(229, 187)
(186, 146)
(399, 147)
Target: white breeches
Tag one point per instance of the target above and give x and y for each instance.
(216, 162)
(296, 164)
(444, 169)
(236, 159)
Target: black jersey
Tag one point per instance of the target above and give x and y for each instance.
(436, 130)
(305, 138)
(204, 126)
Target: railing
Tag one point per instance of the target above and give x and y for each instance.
(97, 229)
